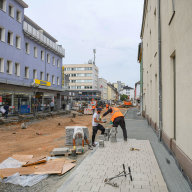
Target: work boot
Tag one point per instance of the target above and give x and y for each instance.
(125, 139)
(89, 147)
(93, 144)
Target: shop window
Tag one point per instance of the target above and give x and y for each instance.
(10, 38)
(58, 63)
(58, 83)
(35, 52)
(34, 74)
(27, 72)
(3, 5)
(48, 77)
(17, 69)
(11, 11)
(2, 34)
(1, 65)
(9, 67)
(18, 16)
(48, 58)
(53, 60)
(41, 75)
(42, 55)
(18, 42)
(53, 79)
(27, 49)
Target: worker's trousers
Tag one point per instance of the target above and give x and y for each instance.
(95, 129)
(120, 121)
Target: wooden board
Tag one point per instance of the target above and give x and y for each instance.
(35, 161)
(23, 158)
(55, 166)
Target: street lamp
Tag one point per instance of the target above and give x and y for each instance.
(34, 87)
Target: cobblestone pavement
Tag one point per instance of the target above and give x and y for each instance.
(107, 162)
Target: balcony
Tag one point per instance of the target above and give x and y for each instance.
(42, 39)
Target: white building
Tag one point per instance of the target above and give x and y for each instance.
(103, 88)
(129, 91)
(82, 76)
(137, 90)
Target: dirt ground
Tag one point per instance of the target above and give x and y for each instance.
(41, 136)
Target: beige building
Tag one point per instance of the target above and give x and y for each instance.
(112, 93)
(166, 40)
(82, 76)
(103, 88)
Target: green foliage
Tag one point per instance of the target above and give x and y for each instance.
(124, 97)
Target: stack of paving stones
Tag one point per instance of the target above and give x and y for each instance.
(69, 135)
(107, 162)
(113, 134)
(107, 131)
(101, 140)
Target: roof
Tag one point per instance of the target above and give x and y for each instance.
(22, 3)
(28, 20)
(137, 83)
(112, 87)
(127, 87)
(144, 16)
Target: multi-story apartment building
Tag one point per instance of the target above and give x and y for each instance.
(167, 71)
(129, 91)
(112, 93)
(103, 88)
(83, 80)
(28, 56)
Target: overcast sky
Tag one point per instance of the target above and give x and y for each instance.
(112, 27)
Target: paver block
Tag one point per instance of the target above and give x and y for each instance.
(60, 151)
(101, 143)
(101, 137)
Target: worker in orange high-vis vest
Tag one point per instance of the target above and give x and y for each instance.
(107, 106)
(93, 108)
(117, 119)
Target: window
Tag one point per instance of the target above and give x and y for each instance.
(17, 69)
(42, 55)
(53, 79)
(35, 52)
(48, 58)
(58, 63)
(2, 34)
(58, 81)
(3, 5)
(73, 75)
(18, 16)
(73, 81)
(9, 67)
(1, 65)
(10, 38)
(11, 11)
(18, 42)
(48, 77)
(27, 72)
(27, 50)
(41, 75)
(34, 74)
(53, 60)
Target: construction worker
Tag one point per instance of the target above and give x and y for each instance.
(96, 125)
(117, 119)
(79, 133)
(107, 106)
(93, 108)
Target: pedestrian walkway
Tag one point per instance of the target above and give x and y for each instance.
(108, 161)
(138, 128)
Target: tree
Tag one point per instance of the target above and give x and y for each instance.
(124, 97)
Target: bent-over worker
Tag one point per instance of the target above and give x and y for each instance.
(79, 133)
(96, 125)
(117, 119)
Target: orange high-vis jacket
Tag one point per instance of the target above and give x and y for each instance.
(93, 107)
(107, 106)
(116, 113)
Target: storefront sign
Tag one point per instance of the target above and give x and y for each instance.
(1, 100)
(43, 83)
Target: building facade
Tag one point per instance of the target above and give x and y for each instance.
(112, 93)
(129, 91)
(166, 46)
(103, 88)
(30, 60)
(137, 91)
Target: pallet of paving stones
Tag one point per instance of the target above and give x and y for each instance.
(69, 135)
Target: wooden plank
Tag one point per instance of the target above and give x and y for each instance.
(35, 161)
(22, 158)
(67, 167)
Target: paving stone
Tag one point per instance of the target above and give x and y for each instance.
(60, 151)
